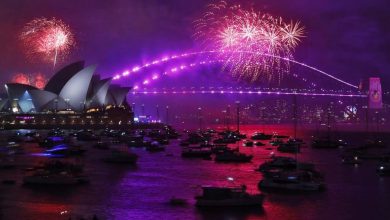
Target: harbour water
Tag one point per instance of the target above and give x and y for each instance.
(143, 191)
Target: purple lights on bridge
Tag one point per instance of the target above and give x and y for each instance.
(222, 91)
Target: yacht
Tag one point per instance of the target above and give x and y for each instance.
(351, 159)
(248, 143)
(52, 141)
(102, 145)
(155, 147)
(326, 143)
(219, 148)
(228, 196)
(232, 156)
(374, 144)
(261, 136)
(7, 162)
(285, 163)
(298, 181)
(384, 167)
(64, 150)
(56, 173)
(259, 144)
(289, 148)
(47, 178)
(276, 142)
(196, 152)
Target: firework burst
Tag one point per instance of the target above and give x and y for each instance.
(243, 37)
(47, 39)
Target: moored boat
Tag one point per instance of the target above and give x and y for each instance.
(227, 196)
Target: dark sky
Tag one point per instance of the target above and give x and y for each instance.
(347, 37)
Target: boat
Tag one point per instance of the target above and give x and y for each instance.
(155, 147)
(56, 173)
(366, 153)
(219, 148)
(225, 141)
(326, 143)
(259, 144)
(289, 148)
(7, 162)
(374, 144)
(351, 160)
(65, 150)
(196, 152)
(52, 141)
(261, 136)
(248, 143)
(101, 145)
(228, 196)
(295, 141)
(11, 148)
(295, 181)
(137, 141)
(45, 178)
(232, 156)
(121, 157)
(383, 168)
(284, 163)
(184, 144)
(276, 142)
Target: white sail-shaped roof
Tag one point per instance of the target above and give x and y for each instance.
(75, 90)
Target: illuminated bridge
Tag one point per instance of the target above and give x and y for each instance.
(168, 66)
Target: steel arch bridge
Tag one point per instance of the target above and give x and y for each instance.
(142, 87)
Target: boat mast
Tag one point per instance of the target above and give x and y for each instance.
(238, 116)
(295, 128)
(295, 115)
(328, 124)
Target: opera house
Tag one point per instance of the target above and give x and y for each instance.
(75, 95)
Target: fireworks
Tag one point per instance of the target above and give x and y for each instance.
(37, 79)
(21, 78)
(49, 40)
(250, 42)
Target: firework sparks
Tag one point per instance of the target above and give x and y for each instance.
(21, 78)
(235, 31)
(50, 40)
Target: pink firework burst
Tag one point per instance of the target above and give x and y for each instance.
(249, 41)
(47, 39)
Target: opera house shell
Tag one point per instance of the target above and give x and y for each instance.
(73, 88)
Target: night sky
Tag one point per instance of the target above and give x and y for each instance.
(348, 38)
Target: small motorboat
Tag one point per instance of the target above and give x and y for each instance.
(285, 163)
(56, 173)
(228, 196)
(196, 152)
(289, 148)
(232, 156)
(248, 143)
(155, 147)
(351, 159)
(261, 136)
(294, 181)
(383, 168)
